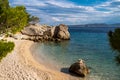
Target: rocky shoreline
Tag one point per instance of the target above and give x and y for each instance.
(23, 59)
(37, 32)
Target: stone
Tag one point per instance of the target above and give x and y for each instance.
(46, 33)
(79, 68)
(61, 32)
(33, 30)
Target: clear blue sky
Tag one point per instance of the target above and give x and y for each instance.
(72, 11)
(88, 2)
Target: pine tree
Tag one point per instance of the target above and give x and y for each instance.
(4, 4)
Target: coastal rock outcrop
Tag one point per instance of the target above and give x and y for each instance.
(46, 33)
(61, 32)
(79, 68)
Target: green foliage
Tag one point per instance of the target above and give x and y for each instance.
(34, 19)
(14, 19)
(114, 39)
(1, 11)
(5, 48)
(4, 4)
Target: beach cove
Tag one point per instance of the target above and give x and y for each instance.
(88, 46)
(20, 65)
(50, 60)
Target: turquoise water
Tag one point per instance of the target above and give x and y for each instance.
(90, 44)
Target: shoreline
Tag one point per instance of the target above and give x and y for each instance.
(44, 59)
(20, 65)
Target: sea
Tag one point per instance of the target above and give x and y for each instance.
(88, 43)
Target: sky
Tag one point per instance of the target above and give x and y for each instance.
(72, 12)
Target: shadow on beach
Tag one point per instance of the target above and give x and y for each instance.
(66, 71)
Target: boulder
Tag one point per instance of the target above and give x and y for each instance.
(61, 32)
(79, 68)
(33, 31)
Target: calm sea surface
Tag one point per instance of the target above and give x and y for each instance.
(88, 43)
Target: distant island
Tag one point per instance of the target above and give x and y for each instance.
(96, 25)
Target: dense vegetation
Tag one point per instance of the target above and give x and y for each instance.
(114, 39)
(12, 19)
(4, 4)
(5, 47)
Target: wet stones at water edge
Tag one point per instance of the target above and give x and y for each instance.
(79, 68)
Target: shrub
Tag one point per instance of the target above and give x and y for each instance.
(114, 39)
(5, 48)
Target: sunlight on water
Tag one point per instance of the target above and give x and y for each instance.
(88, 44)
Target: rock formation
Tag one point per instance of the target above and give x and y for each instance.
(44, 33)
(61, 32)
(79, 68)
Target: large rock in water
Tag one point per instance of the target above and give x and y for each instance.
(79, 68)
(61, 32)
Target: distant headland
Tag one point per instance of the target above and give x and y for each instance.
(96, 25)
